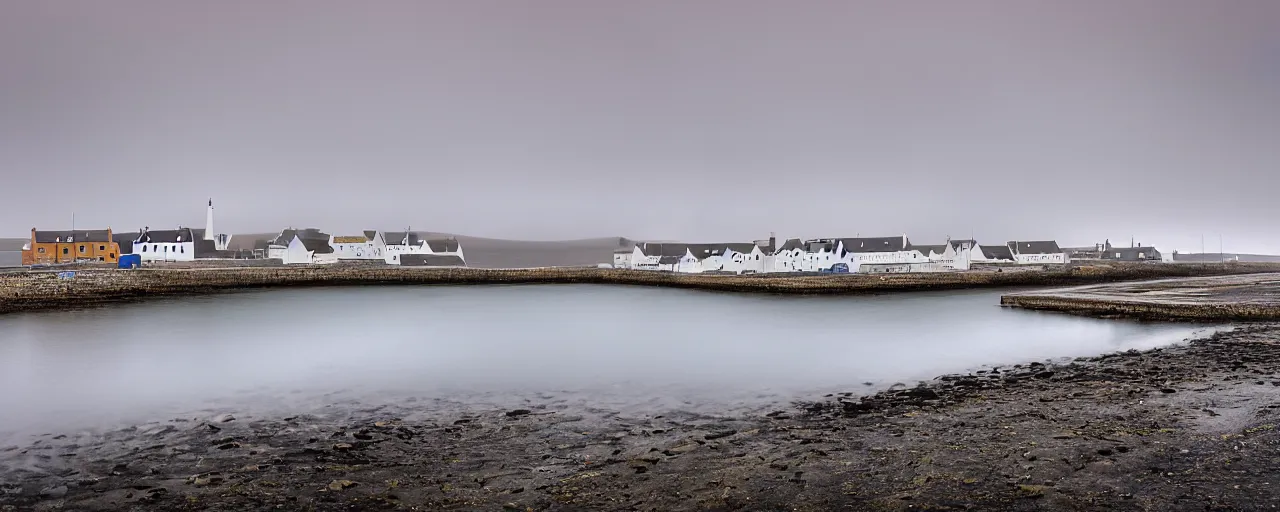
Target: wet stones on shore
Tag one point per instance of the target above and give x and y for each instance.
(1091, 433)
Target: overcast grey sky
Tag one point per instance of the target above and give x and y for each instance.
(698, 120)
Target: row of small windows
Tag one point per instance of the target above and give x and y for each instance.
(156, 248)
(83, 249)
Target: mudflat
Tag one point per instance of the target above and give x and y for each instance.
(1190, 427)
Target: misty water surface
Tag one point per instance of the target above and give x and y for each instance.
(613, 346)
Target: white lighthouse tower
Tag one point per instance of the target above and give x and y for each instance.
(220, 241)
(208, 222)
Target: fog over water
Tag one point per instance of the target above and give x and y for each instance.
(625, 347)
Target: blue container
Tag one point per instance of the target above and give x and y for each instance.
(130, 261)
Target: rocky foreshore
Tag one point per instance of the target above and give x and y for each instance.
(1191, 427)
(31, 291)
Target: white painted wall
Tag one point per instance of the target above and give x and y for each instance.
(393, 251)
(296, 253)
(791, 260)
(643, 262)
(1040, 259)
(815, 261)
(369, 250)
(856, 259)
(622, 259)
(181, 251)
(733, 261)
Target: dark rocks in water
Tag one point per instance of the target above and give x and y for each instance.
(1168, 390)
(516, 413)
(223, 418)
(1044, 375)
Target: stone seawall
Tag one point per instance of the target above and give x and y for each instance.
(1241, 298)
(1179, 312)
(29, 291)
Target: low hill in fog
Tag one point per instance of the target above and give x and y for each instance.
(499, 253)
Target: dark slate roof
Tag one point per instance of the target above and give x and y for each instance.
(79, 235)
(125, 241)
(791, 245)
(877, 244)
(704, 251)
(669, 260)
(431, 260)
(443, 245)
(167, 236)
(925, 249)
(663, 249)
(818, 245)
(955, 244)
(397, 238)
(1130, 251)
(287, 235)
(370, 235)
(1034, 247)
(317, 245)
(997, 252)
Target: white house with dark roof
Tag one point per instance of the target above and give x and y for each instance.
(670, 257)
(409, 242)
(165, 245)
(1044, 252)
(818, 254)
(308, 251)
(280, 245)
(367, 246)
(993, 254)
(403, 242)
(736, 258)
(878, 250)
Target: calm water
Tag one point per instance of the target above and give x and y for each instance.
(610, 346)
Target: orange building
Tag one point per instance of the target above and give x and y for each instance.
(50, 247)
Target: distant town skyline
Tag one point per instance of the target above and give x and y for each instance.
(699, 120)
